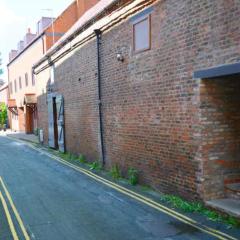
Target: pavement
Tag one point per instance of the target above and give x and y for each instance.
(20, 136)
(228, 205)
(47, 200)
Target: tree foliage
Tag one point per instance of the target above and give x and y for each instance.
(3, 113)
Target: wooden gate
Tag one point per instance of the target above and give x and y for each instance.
(56, 131)
(60, 122)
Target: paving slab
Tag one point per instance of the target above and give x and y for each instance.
(228, 205)
(20, 136)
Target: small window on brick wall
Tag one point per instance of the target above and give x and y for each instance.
(142, 34)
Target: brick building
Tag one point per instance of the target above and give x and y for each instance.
(22, 89)
(156, 88)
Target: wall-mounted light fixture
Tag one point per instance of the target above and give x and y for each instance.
(120, 57)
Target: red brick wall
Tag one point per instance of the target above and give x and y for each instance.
(79, 88)
(66, 20)
(151, 103)
(42, 114)
(62, 24)
(84, 5)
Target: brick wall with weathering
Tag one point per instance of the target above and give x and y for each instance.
(76, 79)
(220, 99)
(151, 103)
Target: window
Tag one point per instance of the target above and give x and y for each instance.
(15, 85)
(10, 88)
(33, 79)
(20, 83)
(26, 79)
(142, 34)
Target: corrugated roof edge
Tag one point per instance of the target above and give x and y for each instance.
(76, 27)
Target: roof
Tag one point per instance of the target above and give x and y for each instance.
(3, 87)
(88, 15)
(37, 37)
(92, 20)
(29, 45)
(84, 19)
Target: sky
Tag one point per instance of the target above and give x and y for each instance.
(16, 16)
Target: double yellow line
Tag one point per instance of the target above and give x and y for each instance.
(145, 200)
(189, 221)
(8, 215)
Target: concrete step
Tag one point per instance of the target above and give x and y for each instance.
(227, 205)
(233, 190)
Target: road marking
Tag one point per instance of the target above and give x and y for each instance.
(20, 222)
(139, 197)
(9, 219)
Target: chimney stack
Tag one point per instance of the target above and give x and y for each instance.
(28, 37)
(20, 46)
(13, 53)
(43, 23)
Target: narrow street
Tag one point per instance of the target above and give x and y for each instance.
(56, 202)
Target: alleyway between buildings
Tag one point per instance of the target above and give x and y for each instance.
(55, 202)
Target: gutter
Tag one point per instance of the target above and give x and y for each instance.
(98, 34)
(74, 34)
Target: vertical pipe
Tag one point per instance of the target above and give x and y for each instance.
(98, 35)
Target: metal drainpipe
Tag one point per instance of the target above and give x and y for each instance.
(98, 35)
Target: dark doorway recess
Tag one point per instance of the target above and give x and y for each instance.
(220, 120)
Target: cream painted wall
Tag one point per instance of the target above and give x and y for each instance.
(41, 81)
(23, 64)
(15, 125)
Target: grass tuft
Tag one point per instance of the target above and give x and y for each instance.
(115, 172)
(132, 176)
(179, 203)
(96, 165)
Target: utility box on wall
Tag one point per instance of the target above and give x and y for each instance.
(41, 136)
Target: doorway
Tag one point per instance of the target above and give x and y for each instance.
(56, 129)
(29, 120)
(55, 123)
(220, 122)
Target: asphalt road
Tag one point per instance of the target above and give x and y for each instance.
(56, 202)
